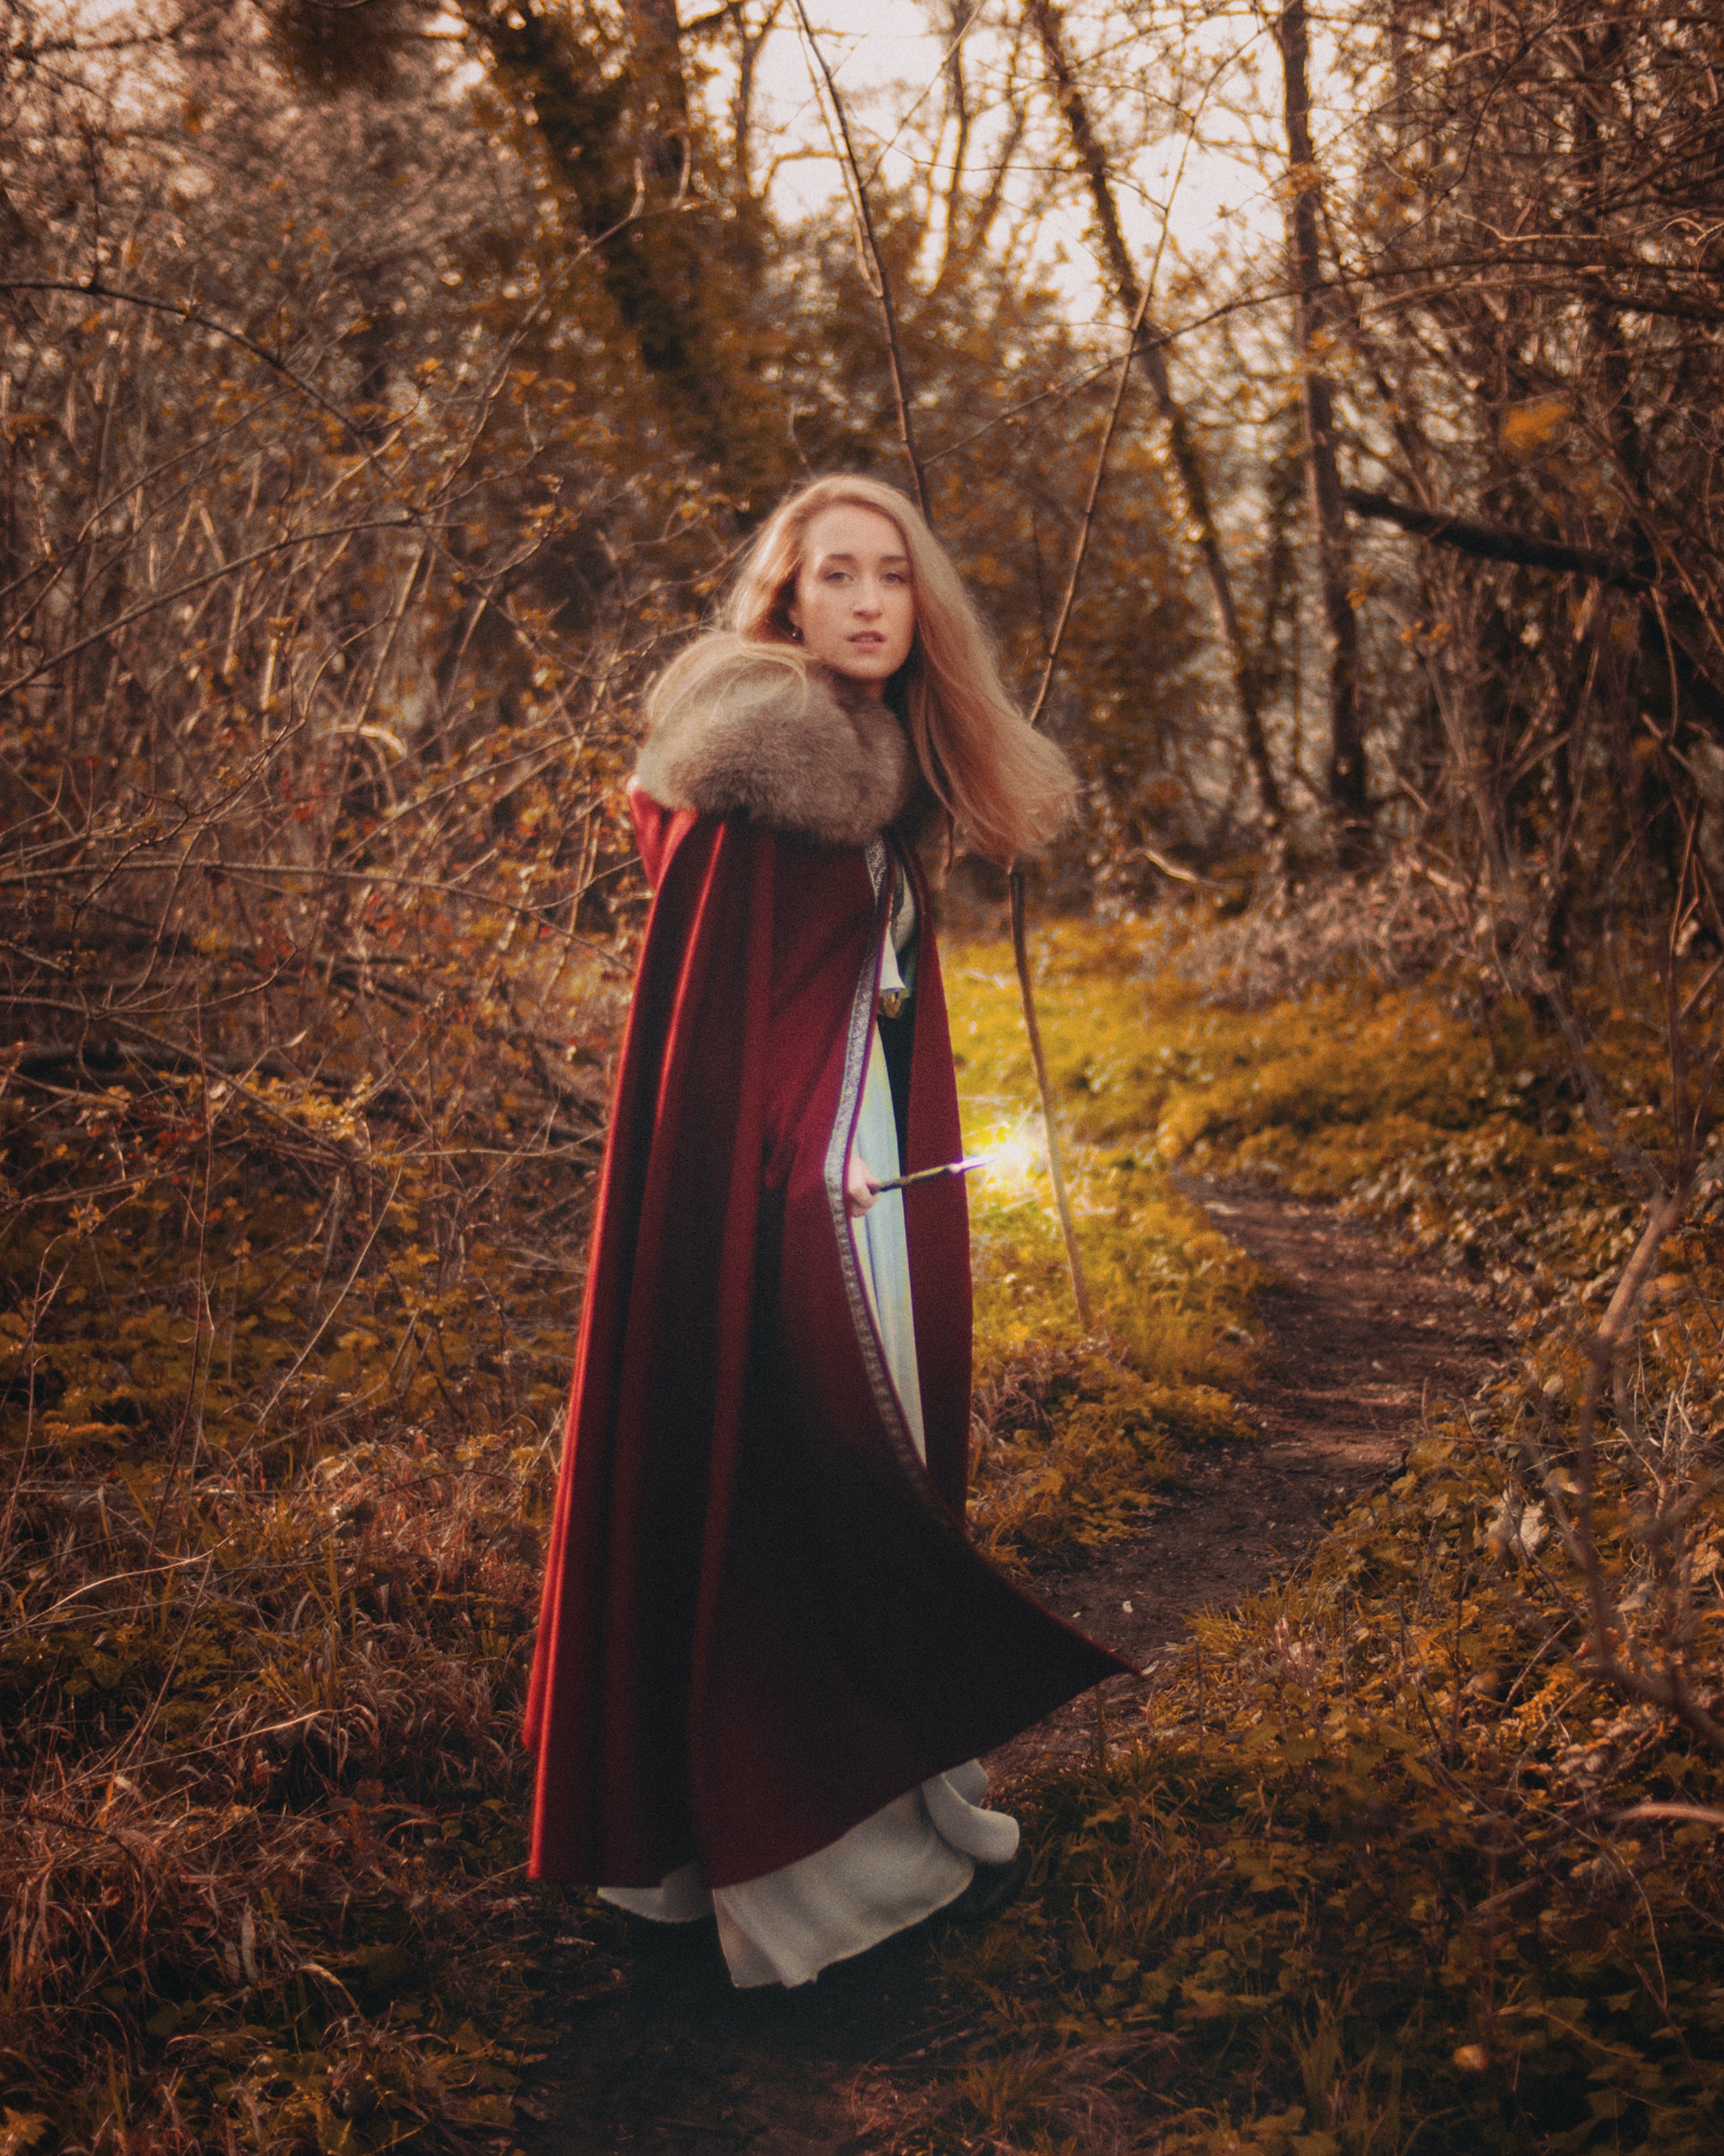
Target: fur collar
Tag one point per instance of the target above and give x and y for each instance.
(737, 727)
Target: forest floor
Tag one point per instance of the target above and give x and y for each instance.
(1353, 1338)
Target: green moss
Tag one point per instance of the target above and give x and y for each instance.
(1361, 1884)
(1358, 1886)
(1077, 1440)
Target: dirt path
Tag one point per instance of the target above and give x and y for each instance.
(1352, 1340)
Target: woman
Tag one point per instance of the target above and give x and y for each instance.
(769, 1658)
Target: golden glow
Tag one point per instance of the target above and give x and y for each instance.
(1013, 1159)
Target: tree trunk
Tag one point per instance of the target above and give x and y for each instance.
(661, 93)
(613, 137)
(1349, 801)
(1247, 675)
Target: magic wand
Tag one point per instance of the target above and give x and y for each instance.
(928, 1174)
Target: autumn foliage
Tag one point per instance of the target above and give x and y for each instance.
(386, 393)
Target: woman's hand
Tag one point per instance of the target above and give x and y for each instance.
(861, 1188)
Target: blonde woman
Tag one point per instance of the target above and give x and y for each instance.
(769, 1658)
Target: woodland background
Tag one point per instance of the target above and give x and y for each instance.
(387, 388)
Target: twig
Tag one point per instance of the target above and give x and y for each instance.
(1018, 896)
(323, 1324)
(1698, 1815)
(1088, 524)
(1020, 950)
(182, 310)
(1056, 1172)
(160, 599)
(901, 391)
(881, 283)
(1159, 860)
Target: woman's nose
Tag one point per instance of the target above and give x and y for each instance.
(868, 599)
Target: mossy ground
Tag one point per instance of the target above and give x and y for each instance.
(1077, 1438)
(280, 1380)
(1363, 1884)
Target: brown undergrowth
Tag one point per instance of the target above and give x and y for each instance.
(1365, 1886)
(1391, 1867)
(280, 1372)
(1074, 1448)
(262, 1860)
(1369, 1882)
(1077, 1441)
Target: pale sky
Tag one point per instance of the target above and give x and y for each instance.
(877, 49)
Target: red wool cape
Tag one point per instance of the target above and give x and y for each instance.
(762, 1617)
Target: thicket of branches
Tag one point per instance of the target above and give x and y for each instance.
(384, 391)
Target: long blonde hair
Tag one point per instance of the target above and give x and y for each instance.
(1008, 789)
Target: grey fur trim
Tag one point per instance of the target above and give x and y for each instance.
(733, 727)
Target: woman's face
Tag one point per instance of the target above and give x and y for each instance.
(853, 604)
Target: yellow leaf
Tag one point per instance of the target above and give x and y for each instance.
(1530, 426)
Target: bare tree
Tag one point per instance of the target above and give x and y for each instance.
(1151, 356)
(1349, 794)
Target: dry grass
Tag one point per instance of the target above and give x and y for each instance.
(279, 1381)
(1394, 927)
(1077, 1441)
(259, 1680)
(261, 1865)
(1075, 1449)
(1391, 1870)
(1085, 2099)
